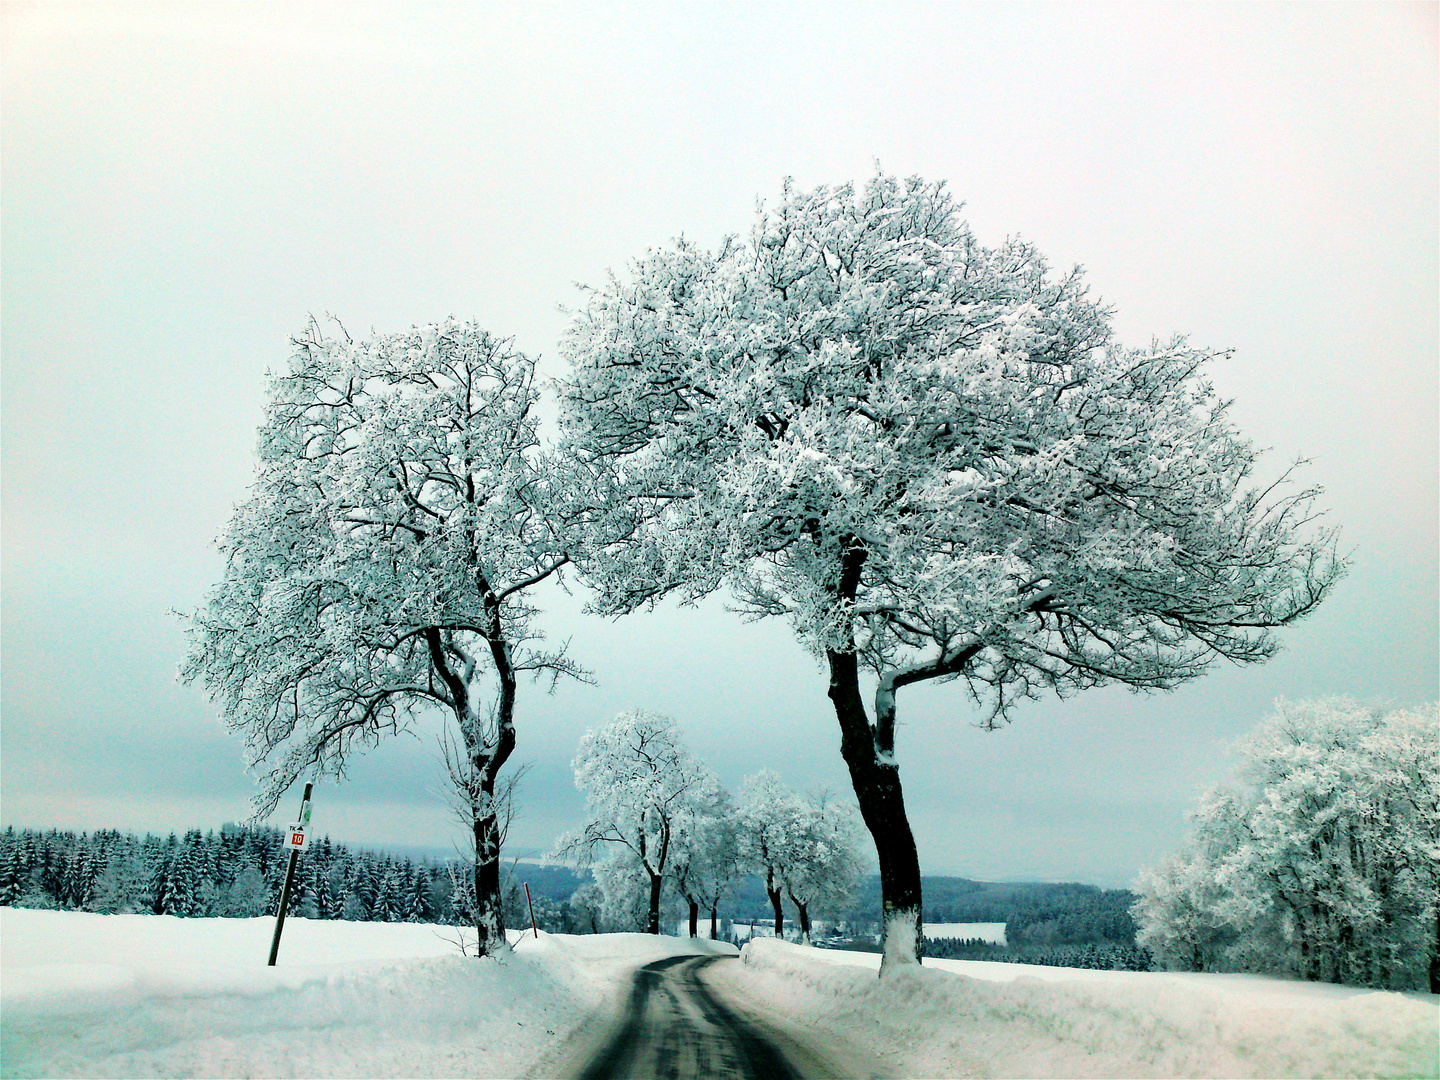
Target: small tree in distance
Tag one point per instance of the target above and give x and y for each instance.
(643, 792)
(770, 816)
(379, 569)
(707, 857)
(933, 460)
(824, 856)
(803, 847)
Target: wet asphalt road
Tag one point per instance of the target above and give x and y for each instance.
(675, 1024)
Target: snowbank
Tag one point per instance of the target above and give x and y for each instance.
(975, 1019)
(135, 995)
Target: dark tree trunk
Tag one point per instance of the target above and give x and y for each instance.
(1435, 956)
(652, 918)
(882, 806)
(869, 753)
(803, 914)
(489, 912)
(487, 761)
(773, 891)
(715, 927)
(694, 918)
(489, 896)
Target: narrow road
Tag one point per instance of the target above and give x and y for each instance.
(674, 1025)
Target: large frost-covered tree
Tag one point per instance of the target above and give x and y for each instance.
(643, 793)
(379, 569)
(1325, 865)
(932, 458)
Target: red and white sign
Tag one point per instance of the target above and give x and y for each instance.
(295, 839)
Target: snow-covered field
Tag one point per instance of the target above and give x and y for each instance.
(993, 932)
(152, 995)
(126, 995)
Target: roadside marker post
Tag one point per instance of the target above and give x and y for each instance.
(532, 911)
(295, 841)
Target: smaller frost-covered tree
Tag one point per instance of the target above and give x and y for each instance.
(1326, 866)
(379, 569)
(770, 815)
(640, 786)
(804, 847)
(823, 856)
(707, 855)
(1179, 904)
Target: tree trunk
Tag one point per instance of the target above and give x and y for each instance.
(489, 911)
(1435, 956)
(694, 918)
(803, 913)
(882, 806)
(487, 761)
(652, 919)
(715, 928)
(774, 893)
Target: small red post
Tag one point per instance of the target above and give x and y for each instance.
(532, 911)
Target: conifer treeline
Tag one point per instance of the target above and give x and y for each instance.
(236, 872)
(1105, 956)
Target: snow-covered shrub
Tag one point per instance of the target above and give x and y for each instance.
(1326, 864)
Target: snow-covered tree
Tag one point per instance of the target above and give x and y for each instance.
(803, 847)
(823, 858)
(248, 895)
(640, 784)
(932, 458)
(706, 855)
(770, 817)
(1326, 865)
(379, 568)
(1178, 909)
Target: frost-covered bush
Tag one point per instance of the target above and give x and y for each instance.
(1325, 865)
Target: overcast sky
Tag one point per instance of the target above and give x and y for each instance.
(183, 185)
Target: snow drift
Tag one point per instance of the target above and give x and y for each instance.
(975, 1019)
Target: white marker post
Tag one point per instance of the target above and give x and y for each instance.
(295, 842)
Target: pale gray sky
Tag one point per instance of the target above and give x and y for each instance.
(183, 184)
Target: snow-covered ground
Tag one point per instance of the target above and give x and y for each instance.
(151, 995)
(971, 1018)
(129, 995)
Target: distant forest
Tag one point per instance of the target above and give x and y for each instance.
(238, 871)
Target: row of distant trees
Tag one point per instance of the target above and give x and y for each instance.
(238, 871)
(1324, 864)
(659, 818)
